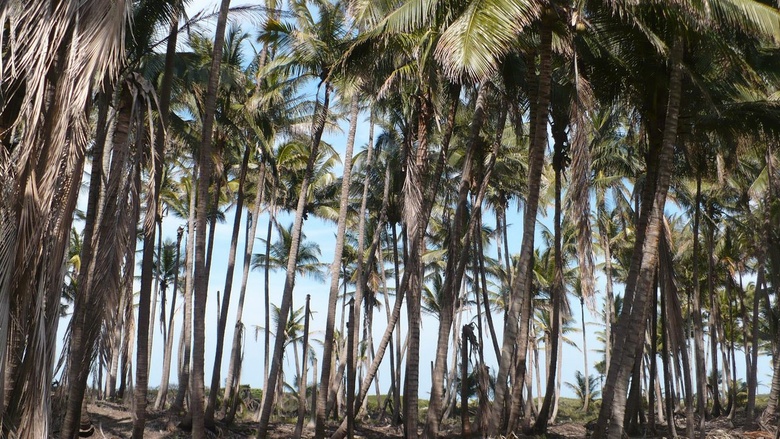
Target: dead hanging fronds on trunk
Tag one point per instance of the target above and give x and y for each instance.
(579, 192)
(53, 54)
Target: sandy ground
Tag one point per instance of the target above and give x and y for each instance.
(114, 421)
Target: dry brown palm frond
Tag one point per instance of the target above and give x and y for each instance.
(51, 58)
(579, 196)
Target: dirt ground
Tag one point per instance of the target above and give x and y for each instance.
(114, 421)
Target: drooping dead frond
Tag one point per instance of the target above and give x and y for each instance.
(579, 195)
(55, 53)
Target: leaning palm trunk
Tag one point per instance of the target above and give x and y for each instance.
(558, 289)
(249, 246)
(520, 300)
(392, 317)
(416, 212)
(318, 125)
(471, 228)
(231, 383)
(335, 268)
(633, 316)
(201, 274)
(674, 329)
(222, 323)
(452, 274)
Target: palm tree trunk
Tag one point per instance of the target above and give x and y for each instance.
(84, 322)
(267, 292)
(231, 383)
(186, 330)
(201, 274)
(162, 393)
(585, 356)
(152, 216)
(714, 317)
(633, 315)
(675, 328)
(752, 371)
(558, 289)
(155, 295)
(391, 323)
(609, 307)
(556, 401)
(465, 424)
(665, 338)
(698, 330)
(653, 355)
(318, 126)
(508, 404)
(304, 372)
(724, 348)
(335, 268)
(399, 355)
(453, 274)
(222, 323)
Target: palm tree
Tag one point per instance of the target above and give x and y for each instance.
(302, 46)
(308, 263)
(162, 392)
(661, 142)
(200, 284)
(586, 388)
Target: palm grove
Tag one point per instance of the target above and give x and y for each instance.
(643, 132)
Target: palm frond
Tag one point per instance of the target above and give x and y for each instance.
(474, 43)
(752, 16)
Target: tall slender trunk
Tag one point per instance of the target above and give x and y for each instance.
(609, 307)
(152, 216)
(675, 327)
(392, 320)
(231, 383)
(586, 372)
(653, 355)
(698, 330)
(668, 381)
(398, 345)
(267, 292)
(714, 320)
(731, 358)
(302, 377)
(87, 319)
(156, 293)
(231, 264)
(631, 323)
(351, 329)
(201, 273)
(508, 404)
(318, 126)
(558, 289)
(752, 371)
(465, 423)
(162, 393)
(185, 348)
(335, 268)
(453, 273)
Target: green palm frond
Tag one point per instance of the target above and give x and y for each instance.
(474, 43)
(752, 16)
